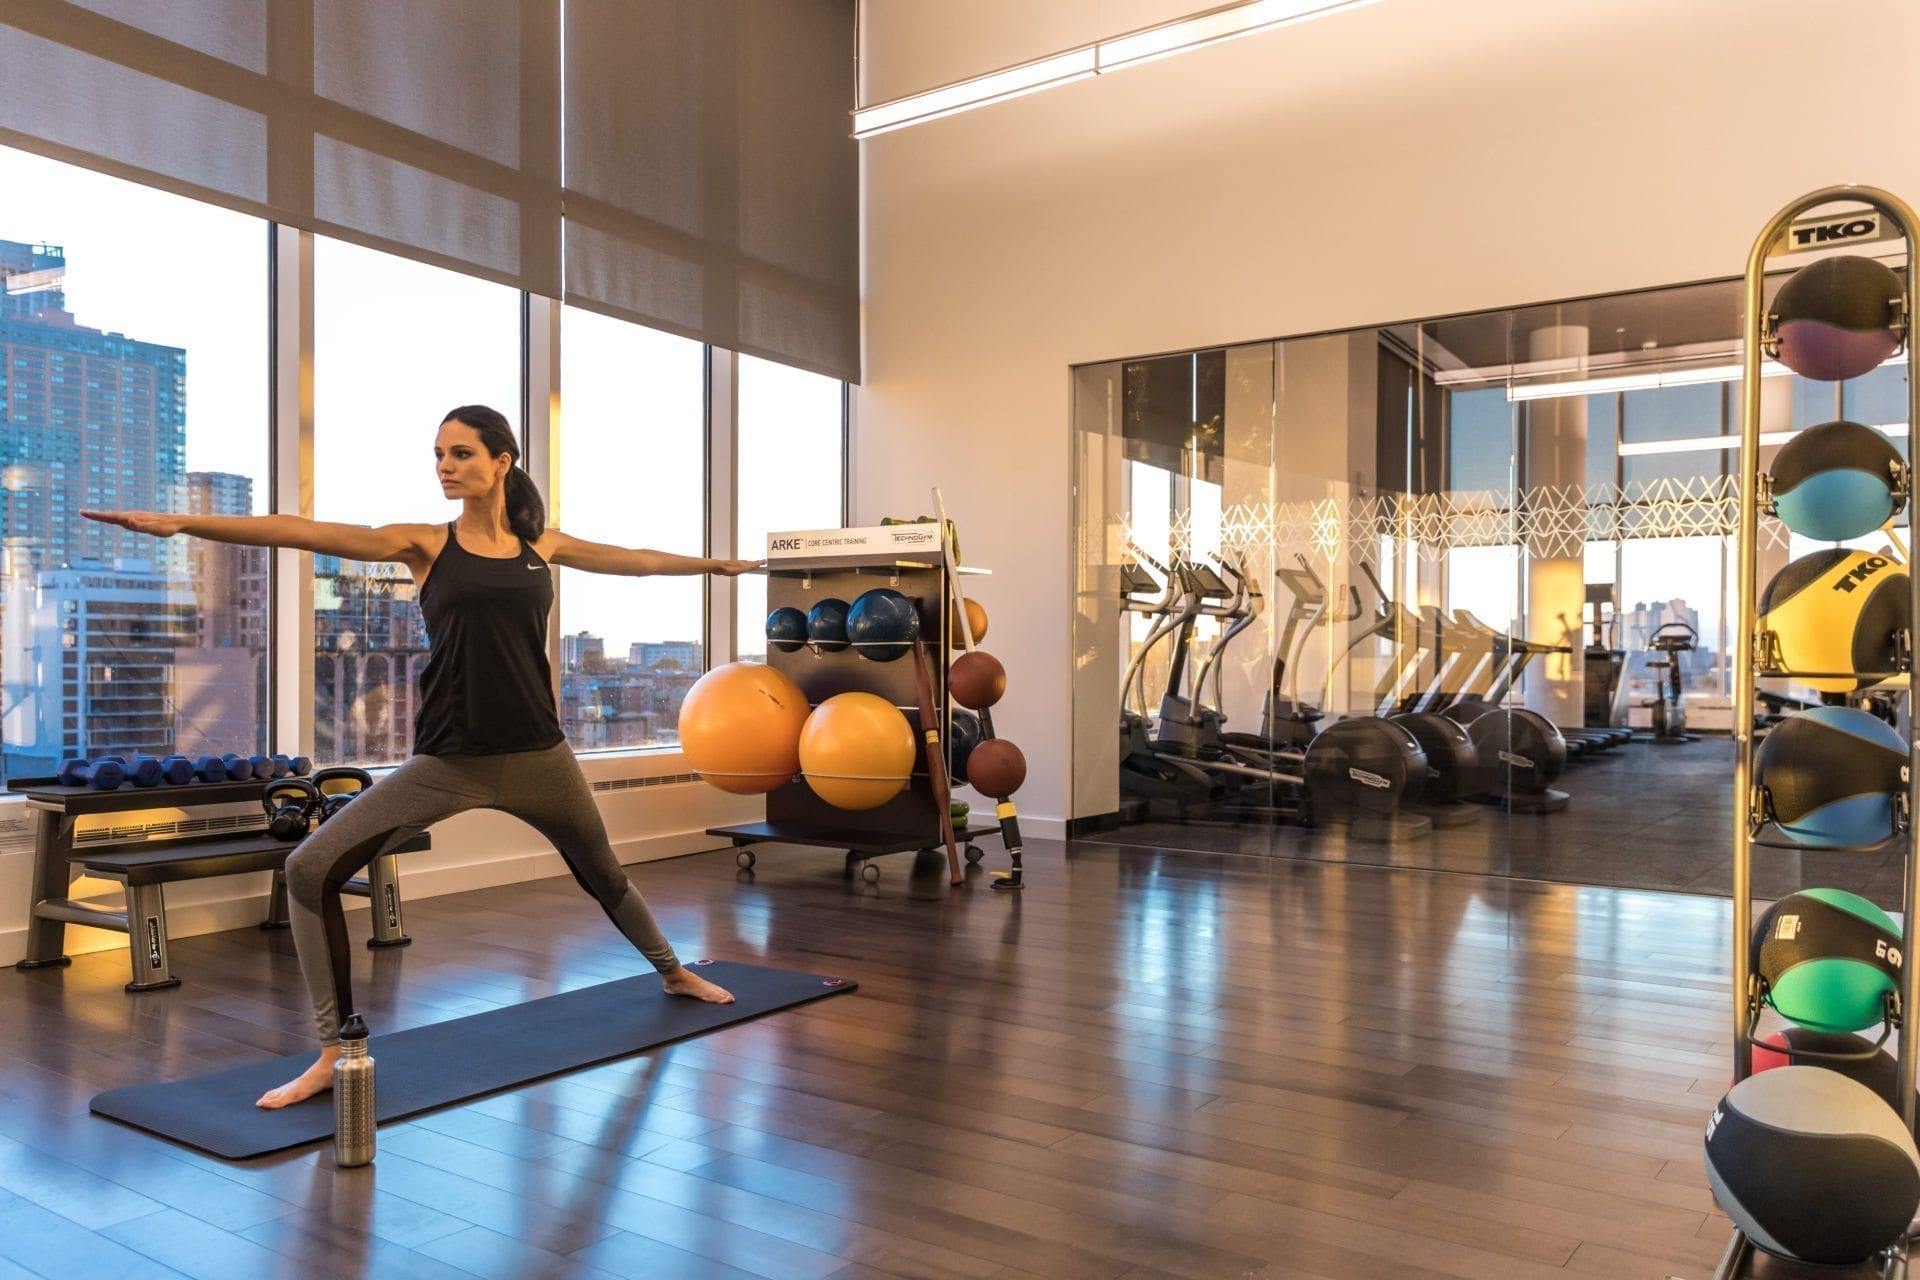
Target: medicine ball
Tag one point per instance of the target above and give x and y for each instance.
(977, 679)
(963, 735)
(997, 768)
(1830, 775)
(1838, 610)
(1828, 958)
(1796, 1047)
(787, 629)
(1833, 319)
(882, 624)
(1837, 481)
(1812, 1166)
(827, 625)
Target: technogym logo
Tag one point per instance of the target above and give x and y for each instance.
(1366, 779)
(1859, 573)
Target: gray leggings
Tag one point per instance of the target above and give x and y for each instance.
(544, 789)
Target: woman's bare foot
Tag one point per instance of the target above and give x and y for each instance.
(685, 982)
(317, 1078)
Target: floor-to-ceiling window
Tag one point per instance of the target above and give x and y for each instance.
(133, 376)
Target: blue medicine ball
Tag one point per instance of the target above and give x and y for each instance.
(787, 629)
(1836, 481)
(962, 737)
(882, 624)
(1831, 774)
(827, 625)
(1813, 1166)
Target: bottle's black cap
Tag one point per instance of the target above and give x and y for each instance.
(354, 1028)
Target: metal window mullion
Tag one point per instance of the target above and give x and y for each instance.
(290, 483)
(723, 490)
(540, 431)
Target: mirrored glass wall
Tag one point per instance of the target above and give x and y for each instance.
(1456, 595)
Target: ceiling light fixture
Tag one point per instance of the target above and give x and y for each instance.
(1182, 35)
(1697, 444)
(1647, 381)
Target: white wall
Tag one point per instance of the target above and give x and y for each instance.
(1408, 159)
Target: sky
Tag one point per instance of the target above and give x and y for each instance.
(397, 344)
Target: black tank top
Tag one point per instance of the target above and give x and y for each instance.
(487, 689)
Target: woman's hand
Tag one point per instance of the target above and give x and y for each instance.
(159, 524)
(734, 568)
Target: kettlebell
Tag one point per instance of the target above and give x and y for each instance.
(334, 798)
(291, 804)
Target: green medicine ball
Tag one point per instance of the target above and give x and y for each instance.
(1828, 958)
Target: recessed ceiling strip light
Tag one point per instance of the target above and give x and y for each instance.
(1225, 23)
(1182, 35)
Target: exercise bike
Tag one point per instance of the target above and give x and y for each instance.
(1671, 639)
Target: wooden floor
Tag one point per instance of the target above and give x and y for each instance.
(1148, 1065)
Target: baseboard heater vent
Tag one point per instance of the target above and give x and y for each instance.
(662, 780)
(237, 824)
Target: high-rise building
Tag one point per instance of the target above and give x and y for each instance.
(220, 685)
(89, 657)
(88, 419)
(583, 651)
(229, 582)
(370, 645)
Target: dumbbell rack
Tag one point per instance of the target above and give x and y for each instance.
(1754, 660)
(909, 822)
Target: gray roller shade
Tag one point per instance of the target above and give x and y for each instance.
(711, 179)
(429, 128)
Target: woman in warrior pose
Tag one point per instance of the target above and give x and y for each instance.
(487, 734)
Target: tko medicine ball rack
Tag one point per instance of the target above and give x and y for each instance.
(1760, 659)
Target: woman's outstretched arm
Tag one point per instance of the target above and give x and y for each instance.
(348, 541)
(634, 562)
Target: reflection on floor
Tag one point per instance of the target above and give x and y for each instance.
(1149, 1064)
(1641, 817)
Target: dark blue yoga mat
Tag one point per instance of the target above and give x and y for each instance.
(434, 1066)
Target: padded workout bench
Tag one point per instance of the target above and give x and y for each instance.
(145, 866)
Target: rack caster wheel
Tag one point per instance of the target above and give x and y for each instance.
(744, 859)
(869, 872)
(973, 853)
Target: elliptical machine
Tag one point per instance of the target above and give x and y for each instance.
(1358, 771)
(1670, 640)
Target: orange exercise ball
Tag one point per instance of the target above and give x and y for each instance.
(996, 768)
(740, 727)
(976, 680)
(857, 751)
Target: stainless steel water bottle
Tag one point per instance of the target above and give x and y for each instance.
(353, 1097)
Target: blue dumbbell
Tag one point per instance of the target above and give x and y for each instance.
(73, 773)
(145, 771)
(210, 769)
(238, 767)
(262, 766)
(300, 766)
(106, 773)
(176, 771)
(282, 765)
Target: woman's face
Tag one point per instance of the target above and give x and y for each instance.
(465, 468)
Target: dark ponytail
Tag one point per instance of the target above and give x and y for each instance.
(526, 509)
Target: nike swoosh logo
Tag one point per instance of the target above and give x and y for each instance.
(536, 567)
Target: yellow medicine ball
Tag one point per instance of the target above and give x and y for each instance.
(1837, 611)
(857, 751)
